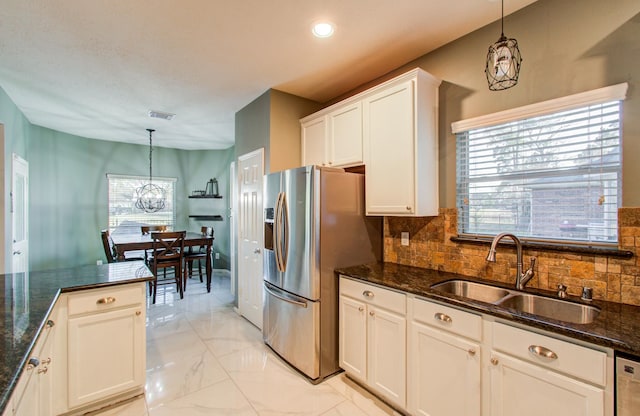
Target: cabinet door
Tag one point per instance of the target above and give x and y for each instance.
(106, 354)
(387, 354)
(345, 136)
(314, 142)
(444, 373)
(34, 388)
(353, 337)
(389, 130)
(523, 389)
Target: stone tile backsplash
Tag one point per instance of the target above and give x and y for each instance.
(612, 279)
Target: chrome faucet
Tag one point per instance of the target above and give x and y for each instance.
(521, 278)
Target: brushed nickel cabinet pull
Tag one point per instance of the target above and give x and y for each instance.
(368, 294)
(443, 317)
(543, 352)
(106, 301)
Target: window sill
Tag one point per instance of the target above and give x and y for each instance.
(558, 248)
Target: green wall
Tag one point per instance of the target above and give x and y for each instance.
(68, 188)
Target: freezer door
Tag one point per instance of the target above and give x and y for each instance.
(300, 248)
(291, 328)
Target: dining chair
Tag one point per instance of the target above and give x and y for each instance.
(112, 256)
(107, 246)
(168, 251)
(146, 229)
(198, 254)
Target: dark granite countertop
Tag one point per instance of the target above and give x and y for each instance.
(617, 326)
(28, 299)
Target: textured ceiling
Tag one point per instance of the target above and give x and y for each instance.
(95, 68)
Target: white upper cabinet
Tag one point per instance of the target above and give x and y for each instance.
(391, 129)
(314, 142)
(401, 146)
(345, 135)
(333, 138)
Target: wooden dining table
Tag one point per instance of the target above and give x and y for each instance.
(123, 242)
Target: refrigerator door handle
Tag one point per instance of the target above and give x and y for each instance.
(277, 234)
(284, 297)
(285, 232)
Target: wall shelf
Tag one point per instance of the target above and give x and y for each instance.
(207, 217)
(205, 196)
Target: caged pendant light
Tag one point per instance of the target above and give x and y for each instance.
(149, 197)
(503, 62)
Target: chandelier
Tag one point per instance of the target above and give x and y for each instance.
(503, 62)
(150, 197)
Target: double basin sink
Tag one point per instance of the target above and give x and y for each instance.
(553, 308)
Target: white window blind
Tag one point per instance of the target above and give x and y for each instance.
(550, 177)
(123, 214)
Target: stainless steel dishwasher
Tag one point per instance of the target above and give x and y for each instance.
(627, 387)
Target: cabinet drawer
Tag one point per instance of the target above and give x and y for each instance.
(374, 295)
(105, 299)
(450, 319)
(572, 359)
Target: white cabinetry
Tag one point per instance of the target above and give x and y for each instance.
(454, 362)
(401, 146)
(373, 338)
(333, 137)
(314, 132)
(33, 393)
(532, 374)
(106, 343)
(444, 361)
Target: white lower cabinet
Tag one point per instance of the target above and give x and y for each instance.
(431, 359)
(444, 366)
(90, 353)
(106, 343)
(524, 389)
(534, 374)
(372, 346)
(33, 394)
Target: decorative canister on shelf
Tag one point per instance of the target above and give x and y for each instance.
(212, 187)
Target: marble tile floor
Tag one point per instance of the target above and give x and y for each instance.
(205, 359)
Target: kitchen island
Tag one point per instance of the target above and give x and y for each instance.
(29, 299)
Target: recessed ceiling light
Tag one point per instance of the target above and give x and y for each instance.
(322, 29)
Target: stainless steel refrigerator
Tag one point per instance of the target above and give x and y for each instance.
(314, 223)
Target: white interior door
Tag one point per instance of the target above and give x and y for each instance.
(250, 236)
(19, 215)
(233, 211)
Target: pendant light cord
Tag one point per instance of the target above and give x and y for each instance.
(502, 20)
(150, 152)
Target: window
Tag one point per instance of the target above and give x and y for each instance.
(124, 216)
(553, 174)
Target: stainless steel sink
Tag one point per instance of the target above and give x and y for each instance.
(558, 309)
(472, 290)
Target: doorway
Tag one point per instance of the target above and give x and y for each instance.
(19, 215)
